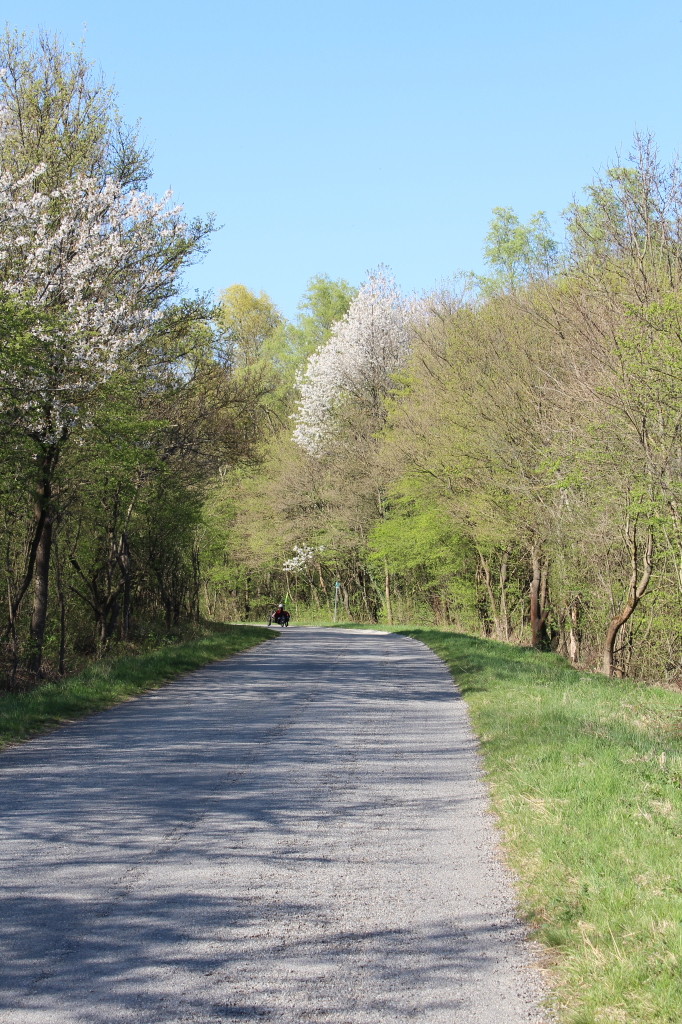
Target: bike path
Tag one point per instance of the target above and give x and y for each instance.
(297, 834)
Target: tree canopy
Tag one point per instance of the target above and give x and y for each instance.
(502, 456)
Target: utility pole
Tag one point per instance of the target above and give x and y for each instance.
(337, 587)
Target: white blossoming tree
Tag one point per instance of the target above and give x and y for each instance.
(302, 558)
(86, 271)
(357, 362)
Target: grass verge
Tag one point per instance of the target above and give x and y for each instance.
(586, 777)
(107, 682)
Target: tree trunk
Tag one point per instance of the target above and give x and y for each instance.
(62, 608)
(324, 587)
(41, 573)
(14, 601)
(11, 682)
(485, 575)
(104, 603)
(109, 619)
(40, 597)
(504, 613)
(538, 617)
(207, 600)
(389, 613)
(636, 589)
(573, 634)
(124, 564)
(196, 584)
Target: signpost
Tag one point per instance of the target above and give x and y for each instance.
(337, 587)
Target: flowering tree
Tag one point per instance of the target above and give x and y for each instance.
(302, 558)
(85, 273)
(85, 270)
(365, 348)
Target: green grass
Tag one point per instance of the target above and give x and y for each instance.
(379, 626)
(586, 778)
(107, 682)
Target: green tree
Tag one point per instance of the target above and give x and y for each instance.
(246, 321)
(323, 304)
(517, 252)
(58, 111)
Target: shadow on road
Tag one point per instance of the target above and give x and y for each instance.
(287, 834)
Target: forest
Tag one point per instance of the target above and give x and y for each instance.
(502, 456)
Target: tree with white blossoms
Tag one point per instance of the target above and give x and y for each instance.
(86, 272)
(365, 349)
(302, 558)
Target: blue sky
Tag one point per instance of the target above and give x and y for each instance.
(330, 138)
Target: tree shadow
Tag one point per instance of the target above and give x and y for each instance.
(251, 841)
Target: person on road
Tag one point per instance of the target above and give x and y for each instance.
(281, 616)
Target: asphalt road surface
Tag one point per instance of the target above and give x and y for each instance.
(297, 835)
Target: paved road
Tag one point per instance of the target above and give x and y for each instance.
(295, 835)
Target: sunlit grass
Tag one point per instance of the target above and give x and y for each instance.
(586, 777)
(107, 682)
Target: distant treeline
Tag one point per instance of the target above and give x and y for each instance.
(504, 456)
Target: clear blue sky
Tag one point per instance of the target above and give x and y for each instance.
(332, 137)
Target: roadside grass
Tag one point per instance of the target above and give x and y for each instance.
(380, 627)
(104, 683)
(586, 779)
